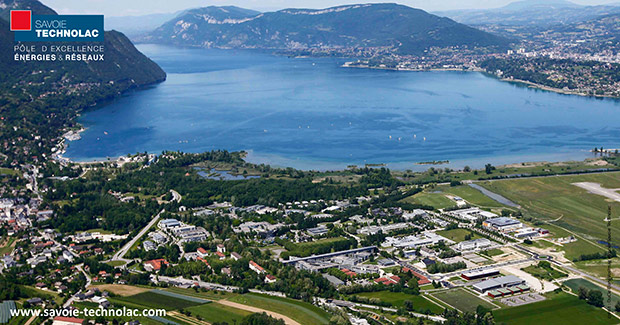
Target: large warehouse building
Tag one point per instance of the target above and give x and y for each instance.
(497, 283)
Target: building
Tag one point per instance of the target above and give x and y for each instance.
(256, 268)
(149, 245)
(221, 248)
(475, 244)
(526, 233)
(202, 252)
(421, 240)
(472, 214)
(498, 283)
(155, 265)
(270, 278)
(167, 224)
(236, 256)
(59, 320)
(318, 231)
(480, 274)
(502, 224)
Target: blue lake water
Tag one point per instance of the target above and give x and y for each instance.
(313, 114)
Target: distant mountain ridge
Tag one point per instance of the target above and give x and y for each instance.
(531, 13)
(403, 28)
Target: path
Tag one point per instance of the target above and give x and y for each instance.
(286, 319)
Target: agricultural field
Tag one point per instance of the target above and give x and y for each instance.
(458, 235)
(218, 313)
(397, 299)
(209, 295)
(560, 308)
(299, 311)
(574, 285)
(120, 289)
(462, 300)
(556, 200)
(153, 299)
(436, 200)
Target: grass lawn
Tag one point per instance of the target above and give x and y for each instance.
(492, 252)
(599, 267)
(7, 246)
(472, 196)
(218, 313)
(44, 294)
(397, 299)
(156, 300)
(568, 206)
(558, 309)
(462, 300)
(458, 235)
(581, 246)
(574, 285)
(546, 273)
(300, 311)
(116, 263)
(436, 200)
(210, 295)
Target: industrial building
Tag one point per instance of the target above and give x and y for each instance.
(502, 224)
(498, 283)
(480, 274)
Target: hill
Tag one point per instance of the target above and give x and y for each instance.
(531, 13)
(401, 28)
(42, 98)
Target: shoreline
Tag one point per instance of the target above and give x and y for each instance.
(517, 81)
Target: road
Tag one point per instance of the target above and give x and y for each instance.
(88, 282)
(121, 252)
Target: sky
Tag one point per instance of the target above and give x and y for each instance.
(143, 7)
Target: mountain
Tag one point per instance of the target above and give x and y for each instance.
(137, 25)
(531, 13)
(540, 4)
(123, 63)
(402, 28)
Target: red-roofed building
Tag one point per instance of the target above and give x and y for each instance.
(220, 255)
(202, 252)
(270, 278)
(422, 280)
(155, 265)
(256, 268)
(59, 320)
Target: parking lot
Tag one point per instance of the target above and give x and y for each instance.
(524, 299)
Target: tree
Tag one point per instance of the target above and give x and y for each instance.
(595, 298)
(582, 293)
(488, 168)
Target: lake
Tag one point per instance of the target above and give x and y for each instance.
(310, 113)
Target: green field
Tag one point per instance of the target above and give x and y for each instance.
(153, 299)
(546, 273)
(397, 299)
(471, 195)
(7, 246)
(462, 300)
(210, 295)
(436, 200)
(116, 263)
(559, 309)
(457, 235)
(568, 206)
(218, 313)
(492, 252)
(300, 311)
(574, 285)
